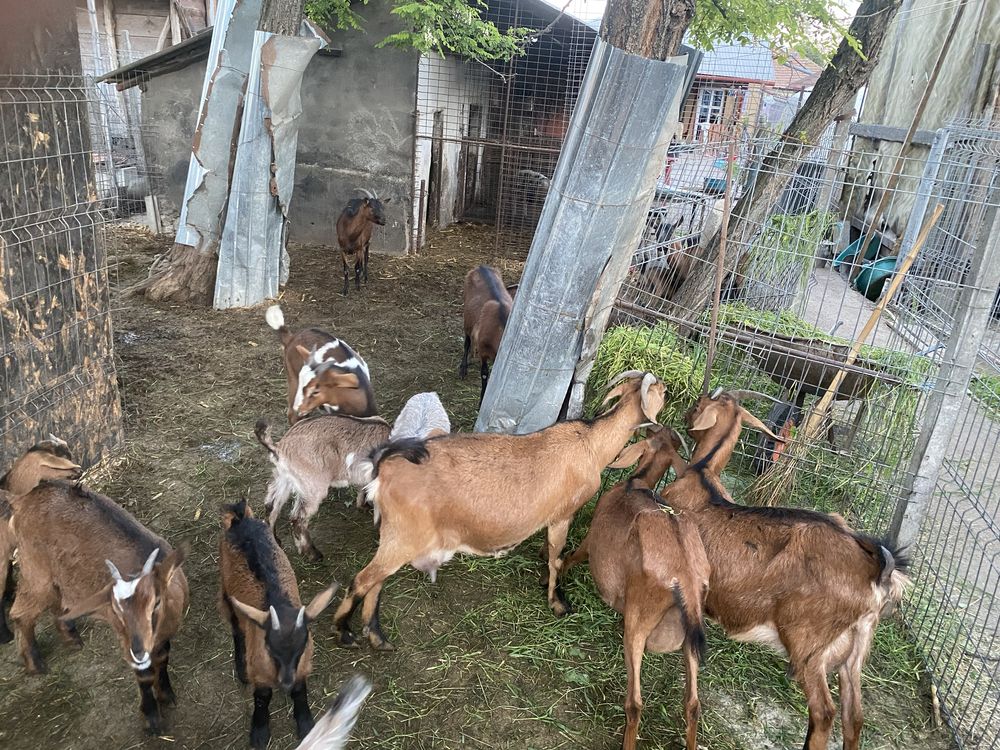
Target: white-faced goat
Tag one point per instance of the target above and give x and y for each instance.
(49, 459)
(649, 564)
(487, 307)
(354, 233)
(82, 554)
(312, 456)
(323, 372)
(799, 581)
(259, 600)
(333, 728)
(485, 493)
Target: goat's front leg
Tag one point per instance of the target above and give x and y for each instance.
(463, 367)
(301, 711)
(147, 701)
(343, 259)
(357, 270)
(260, 724)
(484, 377)
(67, 629)
(636, 633)
(161, 661)
(7, 575)
(557, 534)
(366, 262)
(580, 555)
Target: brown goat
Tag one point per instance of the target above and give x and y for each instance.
(323, 372)
(69, 539)
(314, 455)
(354, 233)
(487, 307)
(649, 564)
(49, 459)
(259, 600)
(485, 493)
(662, 276)
(799, 581)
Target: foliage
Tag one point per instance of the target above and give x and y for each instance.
(442, 26)
(812, 28)
(986, 390)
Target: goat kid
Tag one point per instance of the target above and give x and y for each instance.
(313, 456)
(48, 459)
(354, 233)
(259, 600)
(486, 310)
(799, 581)
(485, 493)
(323, 372)
(73, 546)
(649, 564)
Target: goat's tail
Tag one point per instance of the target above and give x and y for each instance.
(276, 319)
(413, 450)
(333, 729)
(263, 432)
(692, 618)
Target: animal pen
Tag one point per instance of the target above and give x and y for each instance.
(924, 394)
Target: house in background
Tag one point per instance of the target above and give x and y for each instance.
(794, 78)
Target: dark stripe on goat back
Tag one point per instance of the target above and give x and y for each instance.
(252, 538)
(106, 510)
(498, 291)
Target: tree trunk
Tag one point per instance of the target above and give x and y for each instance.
(188, 275)
(650, 28)
(282, 16)
(832, 97)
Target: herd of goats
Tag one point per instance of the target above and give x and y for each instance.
(799, 581)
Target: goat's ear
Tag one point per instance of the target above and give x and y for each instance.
(629, 455)
(341, 379)
(752, 421)
(619, 390)
(708, 417)
(50, 461)
(169, 566)
(320, 602)
(257, 616)
(306, 354)
(89, 605)
(386, 200)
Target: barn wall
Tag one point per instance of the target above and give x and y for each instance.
(356, 131)
(57, 370)
(899, 78)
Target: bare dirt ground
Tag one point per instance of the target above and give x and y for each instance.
(481, 663)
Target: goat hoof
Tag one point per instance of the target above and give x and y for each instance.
(561, 607)
(259, 737)
(312, 554)
(380, 644)
(154, 727)
(346, 639)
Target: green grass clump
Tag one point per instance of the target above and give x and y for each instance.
(986, 390)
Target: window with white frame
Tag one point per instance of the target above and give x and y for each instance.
(711, 103)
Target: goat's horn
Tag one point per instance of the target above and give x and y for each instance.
(684, 444)
(367, 194)
(274, 618)
(301, 619)
(150, 562)
(113, 570)
(715, 394)
(741, 395)
(622, 376)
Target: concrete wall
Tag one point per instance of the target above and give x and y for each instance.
(356, 131)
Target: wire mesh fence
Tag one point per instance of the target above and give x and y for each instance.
(801, 291)
(58, 371)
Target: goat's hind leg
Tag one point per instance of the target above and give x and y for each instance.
(812, 678)
(278, 492)
(556, 535)
(365, 271)
(463, 367)
(303, 510)
(7, 579)
(28, 606)
(161, 662)
(639, 623)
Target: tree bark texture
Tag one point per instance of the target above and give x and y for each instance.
(649, 28)
(282, 16)
(832, 97)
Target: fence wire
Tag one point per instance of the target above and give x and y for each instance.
(800, 291)
(58, 372)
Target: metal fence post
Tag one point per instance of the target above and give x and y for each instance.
(927, 182)
(952, 382)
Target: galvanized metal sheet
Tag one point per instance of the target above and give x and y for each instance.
(590, 225)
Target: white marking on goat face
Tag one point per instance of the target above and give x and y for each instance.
(141, 661)
(765, 634)
(306, 375)
(124, 590)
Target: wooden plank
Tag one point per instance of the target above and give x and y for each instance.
(890, 133)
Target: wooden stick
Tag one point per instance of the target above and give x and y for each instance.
(720, 266)
(819, 412)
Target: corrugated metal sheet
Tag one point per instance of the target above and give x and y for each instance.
(595, 211)
(250, 254)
